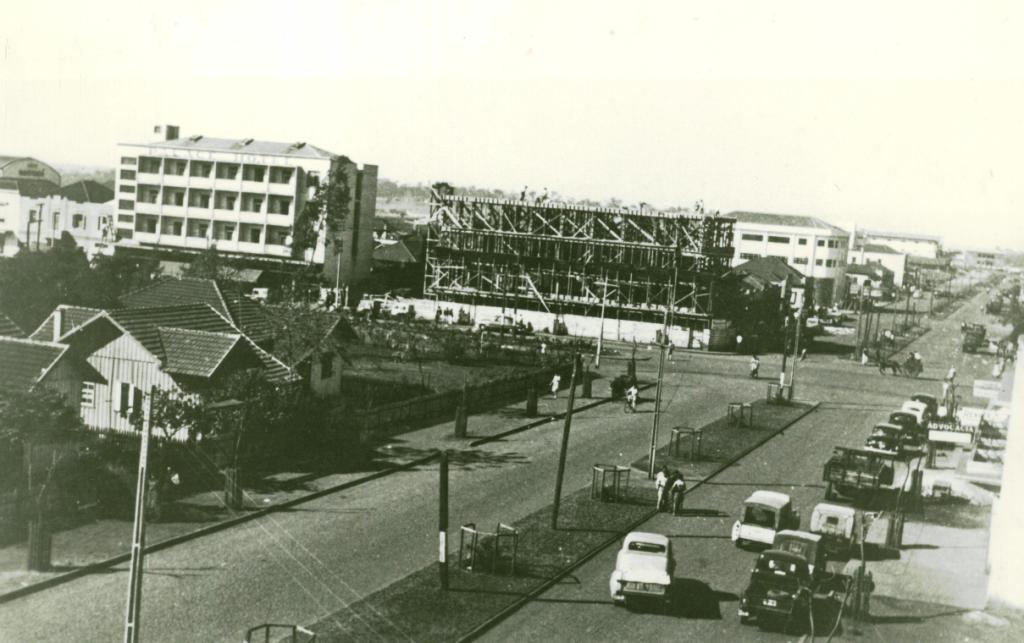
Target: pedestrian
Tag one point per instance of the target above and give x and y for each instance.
(660, 482)
(556, 381)
(739, 343)
(755, 365)
(951, 374)
(864, 358)
(671, 349)
(803, 354)
(678, 490)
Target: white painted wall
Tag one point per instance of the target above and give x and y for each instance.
(1005, 554)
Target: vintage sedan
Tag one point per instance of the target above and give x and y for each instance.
(765, 513)
(780, 589)
(643, 572)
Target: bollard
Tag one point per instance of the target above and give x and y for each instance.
(461, 421)
(531, 400)
(588, 389)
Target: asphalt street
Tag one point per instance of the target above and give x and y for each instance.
(299, 566)
(711, 572)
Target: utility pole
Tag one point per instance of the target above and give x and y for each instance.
(565, 441)
(661, 377)
(796, 352)
(133, 611)
(785, 351)
(600, 333)
(442, 521)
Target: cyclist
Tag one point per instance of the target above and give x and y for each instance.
(631, 395)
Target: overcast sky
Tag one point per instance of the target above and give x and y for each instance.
(907, 116)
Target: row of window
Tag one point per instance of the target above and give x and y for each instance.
(249, 202)
(802, 261)
(203, 169)
(801, 241)
(275, 235)
(129, 398)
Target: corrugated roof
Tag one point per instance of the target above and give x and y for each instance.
(771, 269)
(909, 236)
(24, 361)
(394, 253)
(195, 352)
(870, 269)
(789, 220)
(229, 302)
(86, 191)
(207, 143)
(8, 328)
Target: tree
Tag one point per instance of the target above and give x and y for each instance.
(325, 212)
(210, 264)
(37, 421)
(33, 283)
(120, 273)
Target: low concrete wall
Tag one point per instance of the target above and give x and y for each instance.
(579, 325)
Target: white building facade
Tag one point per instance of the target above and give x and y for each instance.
(241, 196)
(814, 247)
(37, 222)
(914, 245)
(885, 255)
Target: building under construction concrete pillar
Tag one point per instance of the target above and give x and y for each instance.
(569, 259)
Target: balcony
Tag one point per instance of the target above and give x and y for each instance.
(258, 187)
(282, 189)
(173, 210)
(152, 178)
(277, 251)
(196, 242)
(176, 180)
(141, 207)
(221, 214)
(246, 246)
(282, 220)
(200, 182)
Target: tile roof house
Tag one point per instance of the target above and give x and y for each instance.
(243, 312)
(8, 328)
(182, 348)
(312, 343)
(26, 364)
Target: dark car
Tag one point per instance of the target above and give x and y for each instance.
(929, 401)
(780, 590)
(908, 422)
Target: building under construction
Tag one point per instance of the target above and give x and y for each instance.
(568, 259)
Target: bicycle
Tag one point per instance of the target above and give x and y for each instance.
(629, 406)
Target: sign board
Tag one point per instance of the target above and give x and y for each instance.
(987, 389)
(950, 432)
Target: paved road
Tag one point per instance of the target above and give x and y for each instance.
(302, 565)
(711, 571)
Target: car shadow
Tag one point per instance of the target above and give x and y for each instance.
(695, 599)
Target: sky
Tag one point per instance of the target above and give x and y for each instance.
(905, 116)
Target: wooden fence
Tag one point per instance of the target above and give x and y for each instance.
(399, 417)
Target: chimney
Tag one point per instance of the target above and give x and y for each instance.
(170, 132)
(58, 315)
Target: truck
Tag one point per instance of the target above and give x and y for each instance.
(859, 474)
(973, 338)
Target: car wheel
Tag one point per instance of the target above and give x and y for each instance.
(740, 543)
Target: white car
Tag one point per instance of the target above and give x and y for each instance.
(765, 513)
(919, 410)
(644, 568)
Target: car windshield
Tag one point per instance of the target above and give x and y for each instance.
(781, 571)
(759, 516)
(647, 548)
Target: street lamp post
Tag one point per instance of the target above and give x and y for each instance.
(133, 610)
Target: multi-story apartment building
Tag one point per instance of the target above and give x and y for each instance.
(814, 247)
(242, 196)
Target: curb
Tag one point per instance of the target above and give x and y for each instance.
(546, 420)
(204, 531)
(549, 583)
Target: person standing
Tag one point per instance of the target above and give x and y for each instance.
(755, 366)
(660, 483)
(556, 381)
(678, 490)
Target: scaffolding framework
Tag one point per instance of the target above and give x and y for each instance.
(567, 259)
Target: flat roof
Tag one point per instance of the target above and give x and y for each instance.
(788, 220)
(242, 146)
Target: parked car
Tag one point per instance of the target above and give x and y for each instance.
(909, 422)
(805, 544)
(643, 571)
(780, 589)
(765, 513)
(930, 401)
(919, 410)
(838, 526)
(893, 438)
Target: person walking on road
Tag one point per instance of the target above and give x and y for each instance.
(631, 396)
(556, 381)
(755, 365)
(677, 490)
(660, 483)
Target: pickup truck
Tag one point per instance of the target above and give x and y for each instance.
(857, 473)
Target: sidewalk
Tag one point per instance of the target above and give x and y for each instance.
(104, 539)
